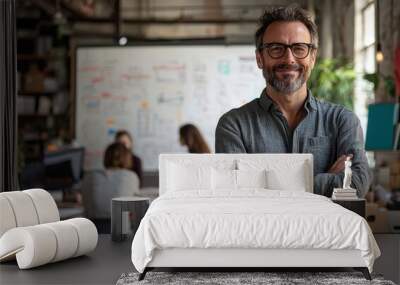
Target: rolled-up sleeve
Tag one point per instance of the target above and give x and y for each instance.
(228, 138)
(349, 141)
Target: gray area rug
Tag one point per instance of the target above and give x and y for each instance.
(225, 278)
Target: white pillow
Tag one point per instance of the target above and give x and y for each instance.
(227, 179)
(181, 177)
(283, 174)
(223, 179)
(251, 178)
(278, 180)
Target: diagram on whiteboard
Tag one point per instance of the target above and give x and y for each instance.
(152, 90)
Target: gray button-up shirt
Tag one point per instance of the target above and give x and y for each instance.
(327, 131)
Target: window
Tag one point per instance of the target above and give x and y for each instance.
(368, 37)
(364, 60)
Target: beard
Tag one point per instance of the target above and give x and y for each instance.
(288, 84)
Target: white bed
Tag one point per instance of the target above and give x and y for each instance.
(247, 210)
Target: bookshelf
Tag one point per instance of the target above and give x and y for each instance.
(42, 83)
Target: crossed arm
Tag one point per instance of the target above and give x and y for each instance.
(350, 143)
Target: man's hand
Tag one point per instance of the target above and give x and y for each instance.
(338, 166)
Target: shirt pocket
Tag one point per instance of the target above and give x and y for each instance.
(322, 148)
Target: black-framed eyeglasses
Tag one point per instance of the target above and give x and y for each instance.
(277, 50)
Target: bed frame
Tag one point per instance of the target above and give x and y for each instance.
(246, 259)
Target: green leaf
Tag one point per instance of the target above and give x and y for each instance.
(333, 80)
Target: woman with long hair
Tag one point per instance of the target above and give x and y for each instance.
(115, 180)
(124, 137)
(191, 137)
(117, 156)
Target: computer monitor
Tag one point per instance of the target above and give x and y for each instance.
(63, 168)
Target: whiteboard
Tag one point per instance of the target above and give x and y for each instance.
(152, 90)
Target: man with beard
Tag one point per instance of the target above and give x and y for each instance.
(286, 118)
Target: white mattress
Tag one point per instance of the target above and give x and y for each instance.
(250, 219)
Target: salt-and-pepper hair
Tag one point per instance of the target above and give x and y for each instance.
(292, 13)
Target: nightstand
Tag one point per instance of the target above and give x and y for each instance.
(355, 205)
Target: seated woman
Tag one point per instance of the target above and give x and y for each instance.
(191, 137)
(123, 136)
(100, 186)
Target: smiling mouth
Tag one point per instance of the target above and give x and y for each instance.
(287, 70)
(287, 73)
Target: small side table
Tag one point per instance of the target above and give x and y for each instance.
(126, 214)
(355, 205)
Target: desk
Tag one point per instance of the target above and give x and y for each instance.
(102, 266)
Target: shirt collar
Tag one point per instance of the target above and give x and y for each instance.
(266, 102)
(310, 101)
